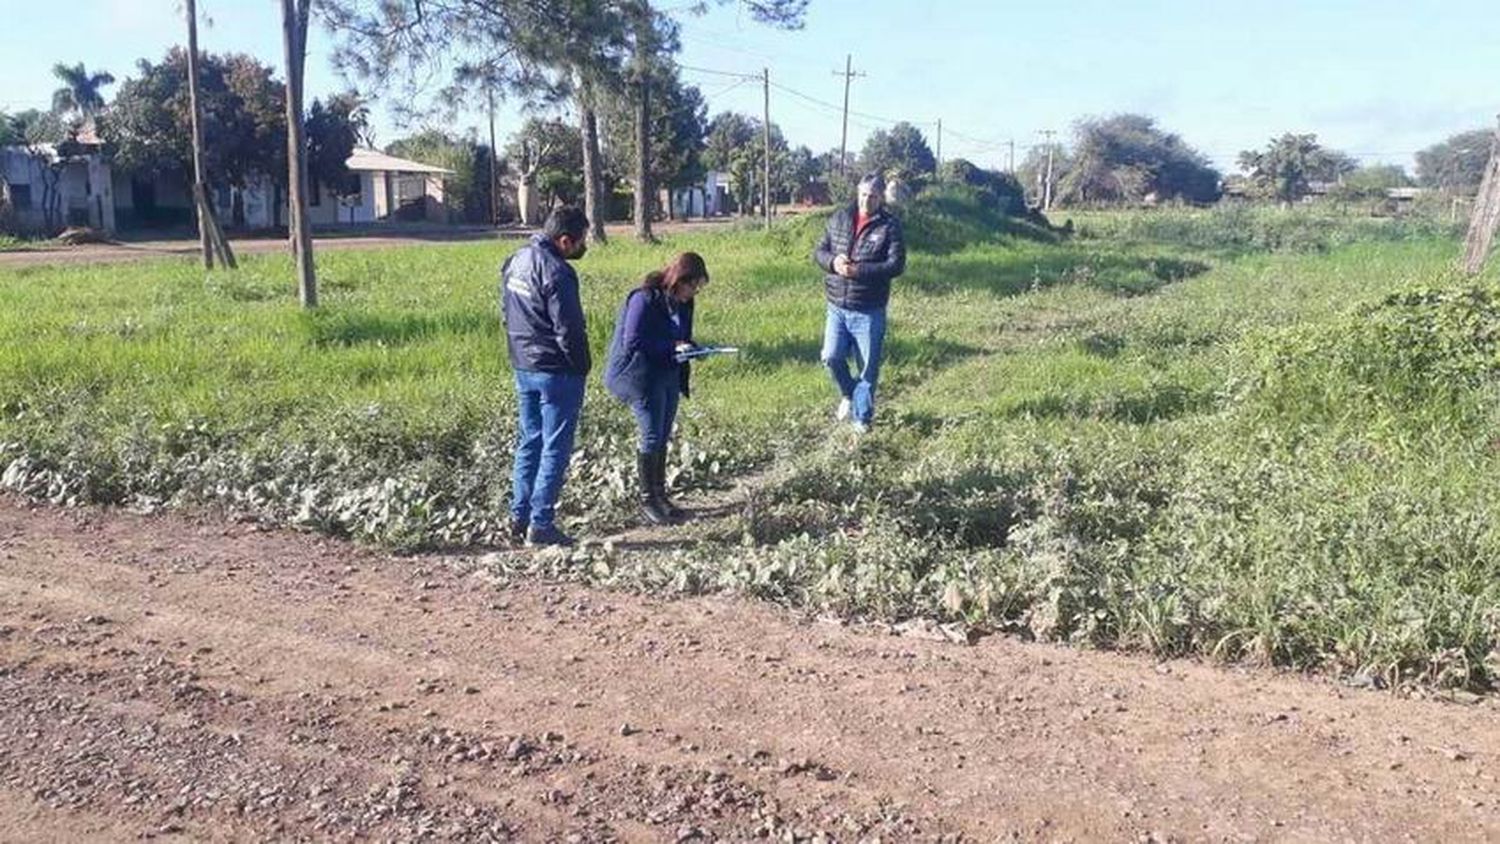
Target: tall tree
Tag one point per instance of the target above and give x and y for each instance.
(467, 191)
(1126, 158)
(678, 123)
(244, 128)
(541, 52)
(652, 36)
(730, 148)
(1371, 183)
(333, 130)
(1285, 169)
(1456, 164)
(548, 160)
(81, 96)
(901, 152)
(793, 173)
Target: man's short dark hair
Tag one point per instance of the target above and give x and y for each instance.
(566, 220)
(875, 181)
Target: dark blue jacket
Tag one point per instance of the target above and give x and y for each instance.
(645, 344)
(879, 253)
(544, 324)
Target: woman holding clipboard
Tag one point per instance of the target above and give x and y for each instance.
(648, 369)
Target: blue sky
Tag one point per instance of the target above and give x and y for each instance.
(1376, 78)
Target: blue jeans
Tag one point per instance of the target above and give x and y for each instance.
(550, 403)
(863, 334)
(655, 412)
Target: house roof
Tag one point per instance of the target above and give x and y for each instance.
(365, 159)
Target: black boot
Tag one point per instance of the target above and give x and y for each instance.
(659, 475)
(651, 506)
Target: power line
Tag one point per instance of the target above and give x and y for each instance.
(713, 72)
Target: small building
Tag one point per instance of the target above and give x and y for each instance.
(382, 188)
(710, 198)
(50, 186)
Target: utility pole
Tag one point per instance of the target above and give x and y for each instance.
(765, 188)
(494, 163)
(848, 75)
(940, 144)
(1012, 159)
(1047, 185)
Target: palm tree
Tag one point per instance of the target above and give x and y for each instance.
(80, 95)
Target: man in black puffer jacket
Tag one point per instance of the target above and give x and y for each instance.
(547, 339)
(862, 250)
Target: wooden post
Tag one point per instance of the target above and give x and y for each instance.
(294, 18)
(1485, 216)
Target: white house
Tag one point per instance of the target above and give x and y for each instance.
(383, 188)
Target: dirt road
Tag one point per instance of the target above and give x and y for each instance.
(382, 238)
(175, 678)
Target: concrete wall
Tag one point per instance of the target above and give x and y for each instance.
(85, 191)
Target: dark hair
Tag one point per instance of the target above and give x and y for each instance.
(566, 220)
(875, 181)
(685, 267)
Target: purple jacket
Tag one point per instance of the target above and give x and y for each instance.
(645, 344)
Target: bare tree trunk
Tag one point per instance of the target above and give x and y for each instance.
(642, 205)
(200, 188)
(593, 165)
(494, 163)
(1485, 216)
(294, 18)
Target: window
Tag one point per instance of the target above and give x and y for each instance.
(315, 194)
(20, 197)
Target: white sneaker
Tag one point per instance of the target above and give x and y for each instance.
(845, 408)
(861, 428)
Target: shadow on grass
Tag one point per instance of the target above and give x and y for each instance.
(351, 328)
(1122, 275)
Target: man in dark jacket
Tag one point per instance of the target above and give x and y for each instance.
(862, 250)
(547, 339)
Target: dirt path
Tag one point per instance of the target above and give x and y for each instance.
(176, 678)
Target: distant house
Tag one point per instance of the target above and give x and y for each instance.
(49, 186)
(380, 189)
(709, 198)
(383, 188)
(83, 190)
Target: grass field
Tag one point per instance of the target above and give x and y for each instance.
(1246, 435)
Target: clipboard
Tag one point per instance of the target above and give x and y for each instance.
(705, 351)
